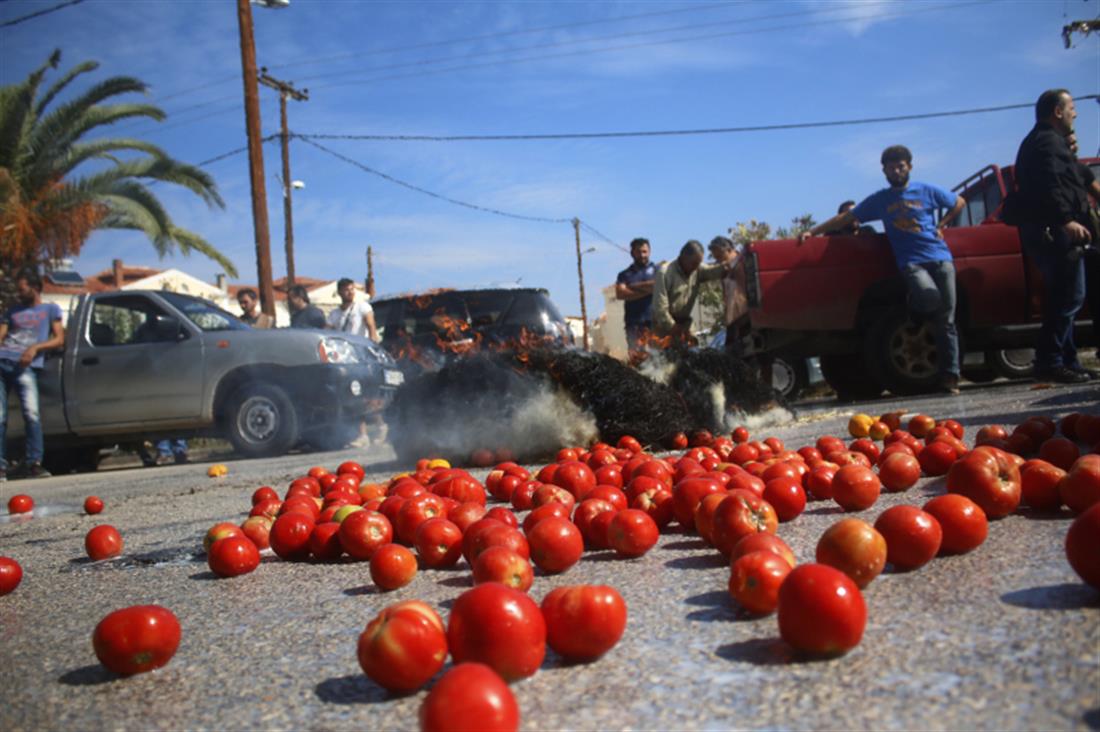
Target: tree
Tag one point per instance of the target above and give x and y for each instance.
(58, 185)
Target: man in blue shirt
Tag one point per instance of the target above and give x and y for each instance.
(635, 287)
(27, 330)
(907, 210)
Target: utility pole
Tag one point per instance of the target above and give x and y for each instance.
(255, 158)
(580, 279)
(370, 272)
(286, 89)
(1084, 27)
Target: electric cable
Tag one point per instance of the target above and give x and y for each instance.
(39, 13)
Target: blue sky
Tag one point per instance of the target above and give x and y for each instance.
(536, 67)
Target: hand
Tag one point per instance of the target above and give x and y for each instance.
(28, 356)
(939, 232)
(1077, 234)
(803, 236)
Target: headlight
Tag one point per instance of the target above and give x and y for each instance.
(337, 350)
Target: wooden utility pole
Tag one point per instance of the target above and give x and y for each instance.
(255, 158)
(370, 272)
(286, 89)
(580, 279)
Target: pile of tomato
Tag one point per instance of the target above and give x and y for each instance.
(733, 492)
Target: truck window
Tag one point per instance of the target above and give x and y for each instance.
(120, 321)
(202, 313)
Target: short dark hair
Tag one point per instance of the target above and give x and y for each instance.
(840, 209)
(299, 292)
(897, 153)
(1049, 101)
(692, 247)
(722, 242)
(344, 282)
(247, 291)
(31, 277)
(639, 242)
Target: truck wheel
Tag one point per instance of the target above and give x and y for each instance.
(261, 421)
(332, 437)
(1012, 363)
(789, 376)
(847, 374)
(902, 353)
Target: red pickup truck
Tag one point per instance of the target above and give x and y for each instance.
(840, 298)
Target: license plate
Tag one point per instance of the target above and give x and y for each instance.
(394, 378)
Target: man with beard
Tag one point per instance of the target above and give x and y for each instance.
(634, 286)
(27, 330)
(302, 313)
(907, 210)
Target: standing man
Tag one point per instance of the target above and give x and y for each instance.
(302, 313)
(352, 317)
(1053, 218)
(675, 289)
(735, 301)
(907, 210)
(27, 330)
(634, 287)
(250, 310)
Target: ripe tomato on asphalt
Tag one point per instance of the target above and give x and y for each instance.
(11, 574)
(324, 542)
(740, 514)
(962, 521)
(615, 496)
(20, 503)
(392, 566)
(522, 495)
(899, 471)
(503, 565)
(1080, 489)
(1083, 546)
(403, 647)
(258, 530)
(545, 511)
(755, 579)
(704, 516)
(575, 477)
(136, 639)
(93, 505)
(856, 487)
(1039, 482)
(233, 556)
(555, 544)
(583, 622)
(438, 543)
(586, 512)
(363, 532)
(913, 537)
(1060, 452)
(290, 534)
(657, 502)
(786, 496)
(987, 477)
(855, 548)
(264, 493)
(937, 458)
(821, 611)
(632, 533)
(104, 542)
(762, 541)
(819, 482)
(500, 627)
(470, 696)
(502, 514)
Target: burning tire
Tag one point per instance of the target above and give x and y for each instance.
(261, 421)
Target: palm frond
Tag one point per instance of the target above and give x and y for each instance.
(67, 124)
(191, 242)
(59, 85)
(83, 151)
(167, 170)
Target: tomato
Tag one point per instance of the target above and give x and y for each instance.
(855, 548)
(438, 543)
(403, 647)
(1080, 489)
(415, 511)
(503, 565)
(632, 533)
(545, 511)
(549, 493)
(363, 532)
(1083, 545)
(1060, 452)
(821, 611)
(899, 472)
(502, 514)
(962, 521)
(20, 503)
(937, 458)
(392, 566)
(575, 477)
(755, 579)
(987, 477)
(865, 446)
(657, 503)
(521, 496)
(740, 434)
(653, 468)
(611, 475)
(93, 505)
(786, 496)
(104, 542)
(855, 487)
(556, 544)
(466, 514)
(500, 627)
(290, 536)
(136, 639)
(920, 425)
(583, 622)
(626, 442)
(990, 433)
(233, 556)
(11, 574)
(258, 530)
(913, 537)
(309, 483)
(704, 516)
(470, 696)
(819, 482)
(686, 496)
(1039, 485)
(615, 496)
(461, 486)
(493, 534)
(762, 541)
(740, 514)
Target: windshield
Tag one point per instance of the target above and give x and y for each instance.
(202, 313)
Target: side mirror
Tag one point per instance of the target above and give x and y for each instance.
(166, 328)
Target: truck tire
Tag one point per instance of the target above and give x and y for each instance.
(790, 376)
(1012, 363)
(332, 437)
(260, 421)
(902, 353)
(849, 377)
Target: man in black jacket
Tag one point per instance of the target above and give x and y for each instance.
(1054, 218)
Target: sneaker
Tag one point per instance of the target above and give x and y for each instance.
(37, 471)
(362, 441)
(1062, 375)
(1093, 374)
(949, 384)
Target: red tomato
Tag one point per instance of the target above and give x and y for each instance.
(632, 533)
(1080, 489)
(678, 441)
(233, 556)
(500, 627)
(686, 496)
(937, 458)
(1083, 546)
(415, 511)
(545, 511)
(93, 505)
(471, 696)
(502, 514)
(987, 477)
(264, 493)
(392, 566)
(218, 531)
(921, 424)
(1060, 452)
(855, 548)
(740, 514)
(575, 477)
(556, 544)
(755, 579)
(990, 433)
(819, 482)
(466, 514)
(786, 496)
(587, 511)
(657, 503)
(704, 516)
(899, 472)
(503, 565)
(611, 494)
(821, 610)
(583, 622)
(549, 493)
(290, 536)
(136, 639)
(611, 475)
(258, 530)
(11, 574)
(1039, 485)
(438, 543)
(626, 442)
(855, 487)
(363, 532)
(403, 647)
(521, 496)
(104, 542)
(963, 523)
(913, 537)
(740, 434)
(324, 542)
(20, 503)
(867, 447)
(762, 541)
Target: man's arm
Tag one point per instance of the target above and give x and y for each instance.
(836, 222)
(56, 340)
(372, 329)
(1048, 150)
(712, 272)
(960, 204)
(662, 318)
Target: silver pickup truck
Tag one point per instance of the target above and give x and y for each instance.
(141, 364)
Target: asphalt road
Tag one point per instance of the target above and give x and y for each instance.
(1003, 638)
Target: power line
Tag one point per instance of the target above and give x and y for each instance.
(592, 230)
(39, 13)
(675, 133)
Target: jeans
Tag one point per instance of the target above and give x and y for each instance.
(931, 288)
(170, 448)
(25, 383)
(1063, 294)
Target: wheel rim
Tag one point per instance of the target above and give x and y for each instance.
(912, 351)
(1020, 359)
(782, 377)
(258, 419)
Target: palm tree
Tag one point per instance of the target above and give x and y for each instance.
(48, 209)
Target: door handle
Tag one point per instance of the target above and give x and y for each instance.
(90, 360)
